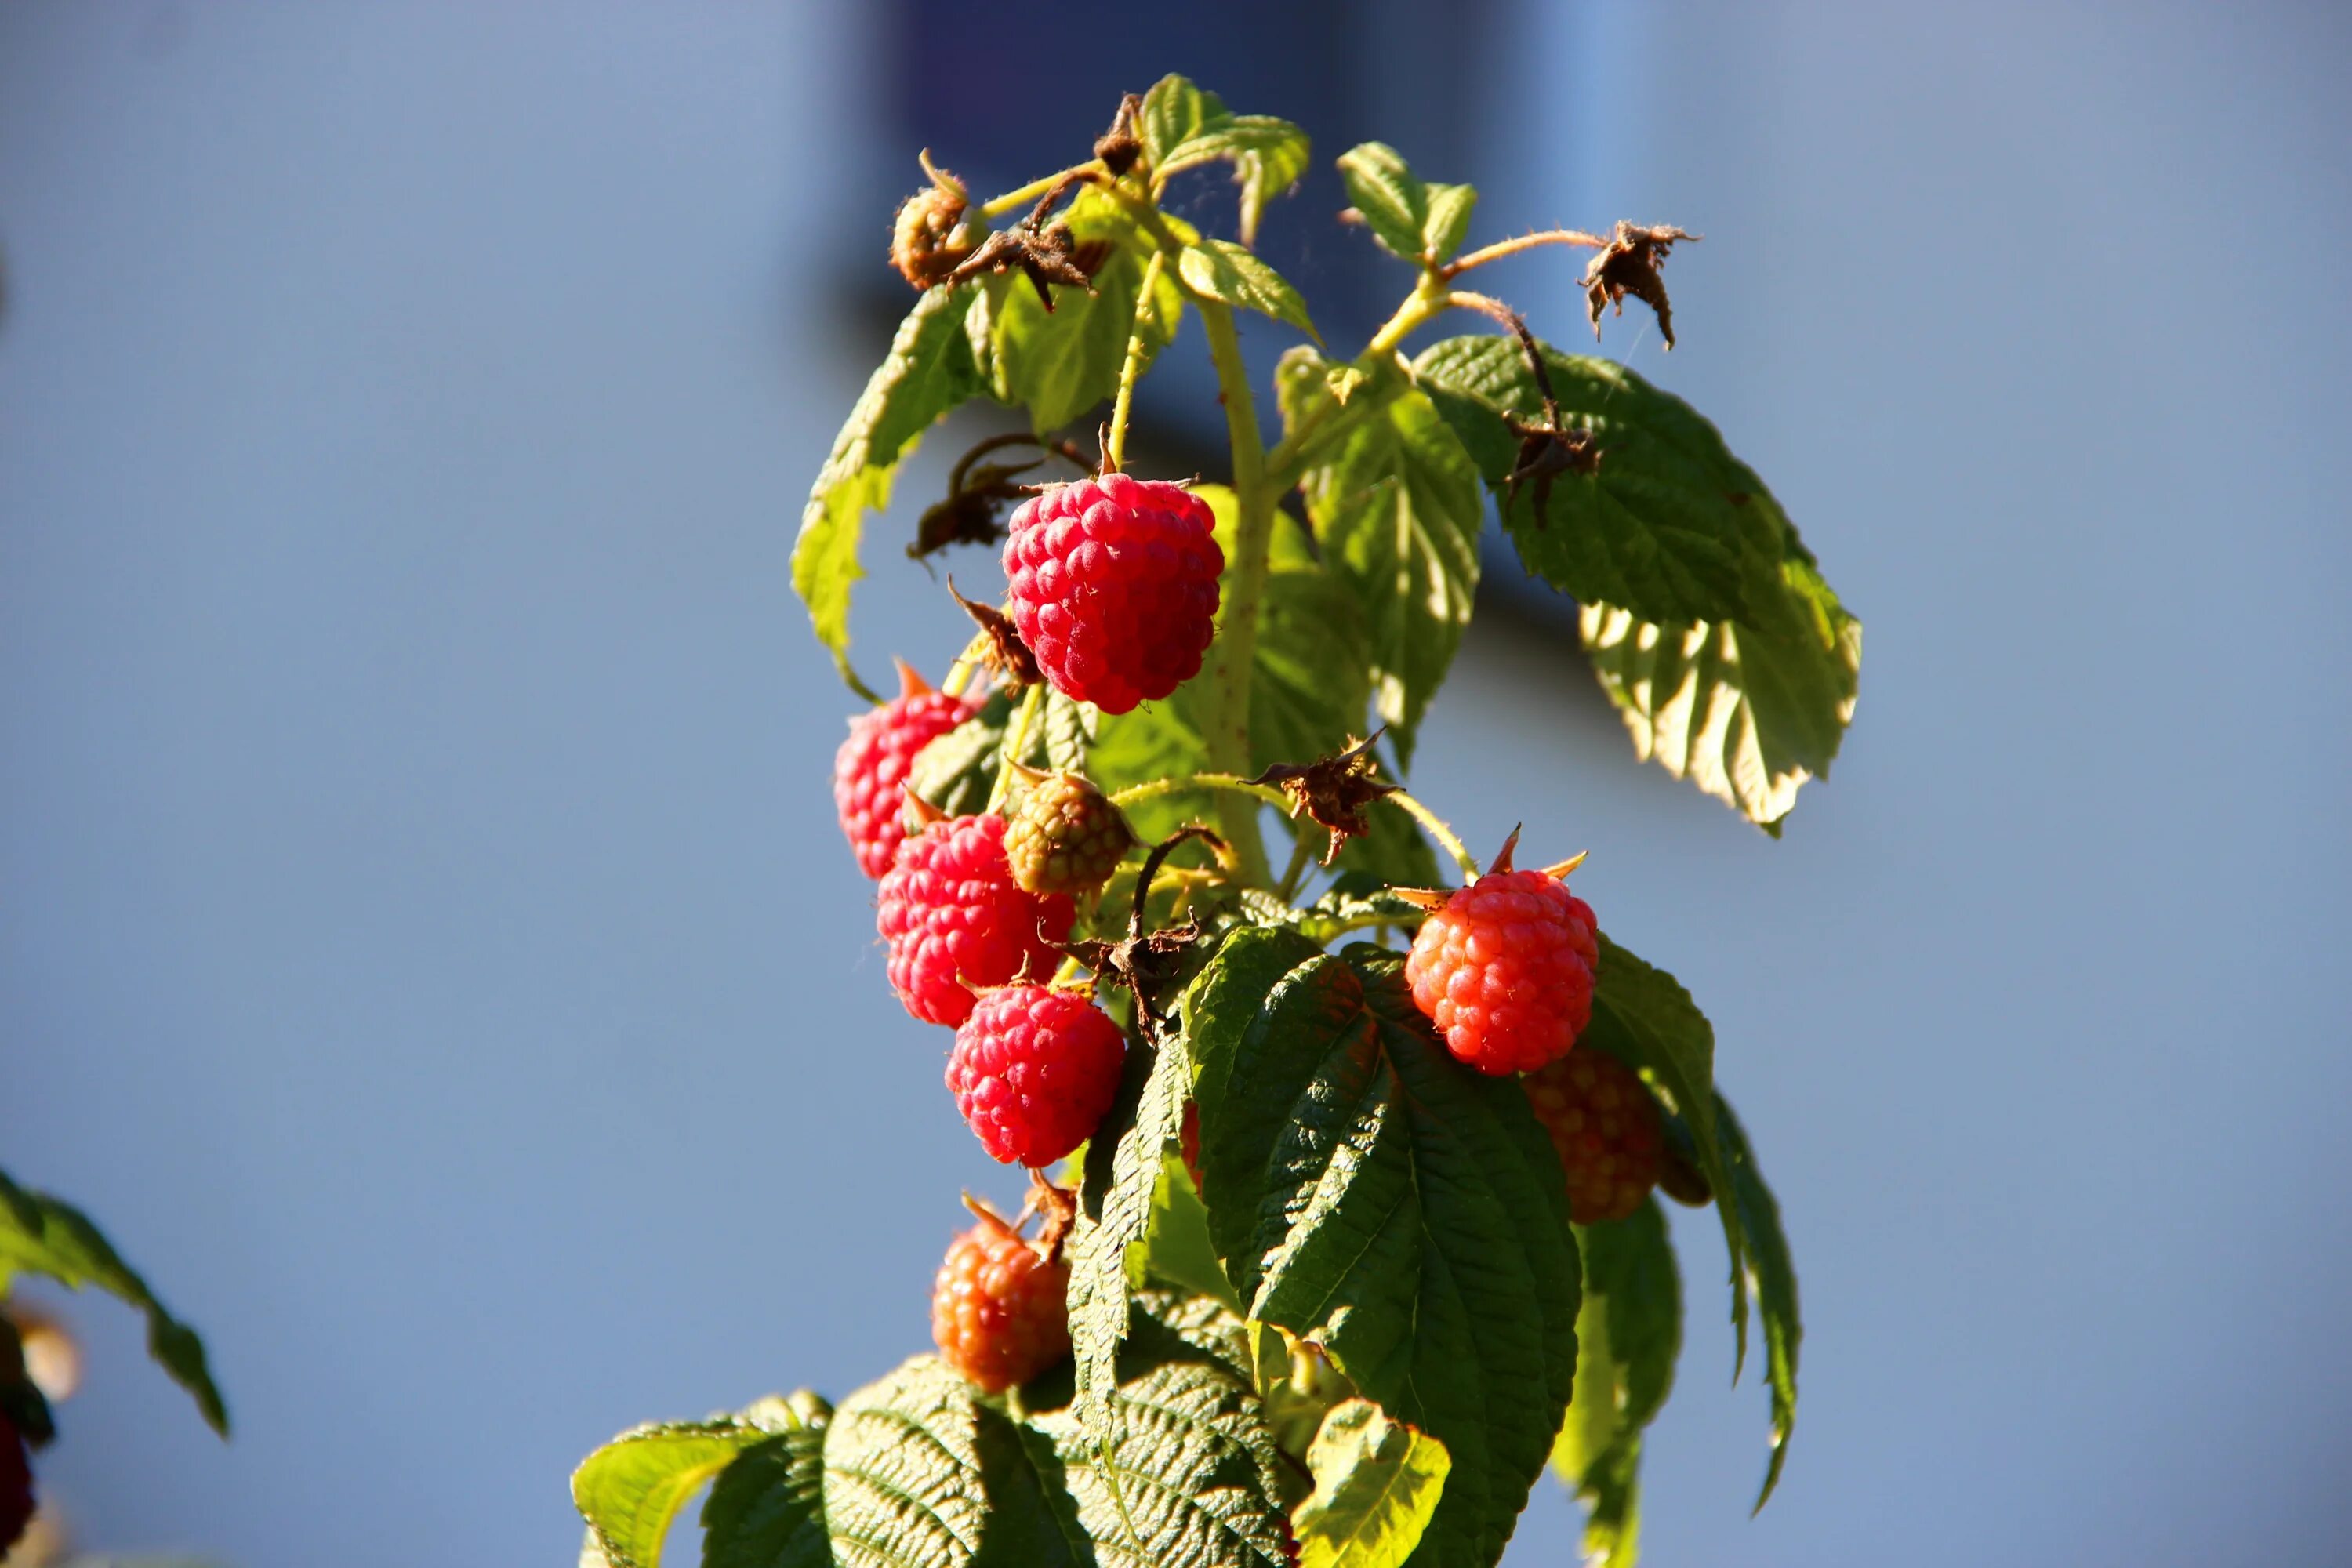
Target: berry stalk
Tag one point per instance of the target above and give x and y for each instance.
(1235, 650)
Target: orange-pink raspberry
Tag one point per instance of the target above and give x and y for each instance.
(1505, 970)
(870, 772)
(1607, 1128)
(998, 1308)
(1113, 586)
(1032, 1070)
(956, 923)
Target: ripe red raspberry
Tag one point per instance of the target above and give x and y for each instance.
(956, 923)
(15, 1485)
(998, 1310)
(1504, 969)
(1607, 1130)
(1065, 836)
(1114, 587)
(1032, 1070)
(870, 772)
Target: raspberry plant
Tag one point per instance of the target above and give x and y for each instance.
(1331, 1297)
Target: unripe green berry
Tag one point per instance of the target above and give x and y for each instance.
(1064, 836)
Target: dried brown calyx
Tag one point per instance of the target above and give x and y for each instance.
(1630, 264)
(1147, 962)
(1546, 450)
(1335, 791)
(1119, 147)
(979, 493)
(1006, 656)
(1045, 253)
(928, 241)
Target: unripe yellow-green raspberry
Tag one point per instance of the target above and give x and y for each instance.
(1065, 837)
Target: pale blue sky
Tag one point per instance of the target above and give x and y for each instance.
(426, 942)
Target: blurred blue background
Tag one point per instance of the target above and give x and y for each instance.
(427, 946)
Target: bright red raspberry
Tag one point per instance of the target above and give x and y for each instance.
(998, 1310)
(1607, 1128)
(1505, 970)
(956, 923)
(1114, 587)
(15, 1485)
(870, 772)
(1032, 1070)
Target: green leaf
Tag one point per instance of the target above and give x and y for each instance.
(1069, 729)
(1179, 1470)
(1115, 1205)
(1629, 1336)
(1409, 217)
(631, 1489)
(1183, 127)
(902, 1471)
(1748, 711)
(1774, 1277)
(1644, 1018)
(1312, 684)
(1708, 619)
(928, 371)
(1220, 270)
(1376, 1481)
(1395, 506)
(45, 1236)
(955, 772)
(1060, 363)
(766, 1510)
(1369, 1192)
(1671, 526)
(1176, 1249)
(1033, 1520)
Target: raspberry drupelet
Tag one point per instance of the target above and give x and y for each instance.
(869, 771)
(1607, 1128)
(955, 922)
(1033, 1071)
(1113, 584)
(998, 1312)
(1504, 969)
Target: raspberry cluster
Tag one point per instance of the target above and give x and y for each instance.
(869, 771)
(1113, 586)
(956, 922)
(1504, 969)
(1608, 1130)
(1033, 1071)
(1065, 836)
(998, 1310)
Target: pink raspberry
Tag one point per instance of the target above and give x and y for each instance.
(1505, 970)
(870, 772)
(1032, 1070)
(1114, 587)
(999, 1307)
(956, 922)
(1607, 1128)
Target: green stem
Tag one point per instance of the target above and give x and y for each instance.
(1129, 373)
(1032, 190)
(1329, 419)
(1300, 855)
(1439, 830)
(1235, 650)
(1233, 784)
